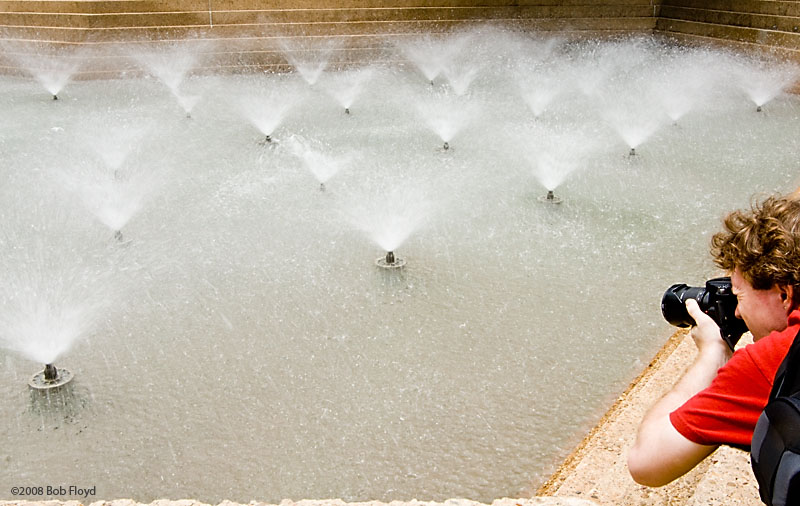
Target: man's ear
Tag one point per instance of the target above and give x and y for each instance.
(788, 297)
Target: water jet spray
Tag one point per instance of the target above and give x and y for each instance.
(50, 378)
(390, 261)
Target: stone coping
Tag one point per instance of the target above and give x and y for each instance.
(535, 501)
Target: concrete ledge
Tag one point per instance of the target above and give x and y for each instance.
(536, 501)
(597, 469)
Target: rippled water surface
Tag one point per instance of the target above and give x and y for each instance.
(239, 342)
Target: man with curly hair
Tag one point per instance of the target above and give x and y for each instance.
(720, 396)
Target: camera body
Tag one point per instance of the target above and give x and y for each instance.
(716, 299)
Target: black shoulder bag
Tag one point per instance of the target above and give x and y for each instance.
(775, 448)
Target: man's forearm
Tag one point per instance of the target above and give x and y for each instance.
(660, 453)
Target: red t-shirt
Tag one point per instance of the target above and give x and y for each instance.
(727, 411)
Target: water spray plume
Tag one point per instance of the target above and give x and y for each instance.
(309, 57)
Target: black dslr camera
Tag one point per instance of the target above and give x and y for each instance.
(716, 299)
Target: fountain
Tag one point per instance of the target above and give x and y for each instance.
(631, 113)
(539, 91)
(51, 68)
(555, 152)
(446, 114)
(433, 55)
(388, 213)
(345, 86)
(171, 62)
(248, 329)
(265, 111)
(309, 59)
(317, 159)
(762, 81)
(460, 76)
(683, 86)
(115, 190)
(52, 296)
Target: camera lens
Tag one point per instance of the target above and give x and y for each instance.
(673, 303)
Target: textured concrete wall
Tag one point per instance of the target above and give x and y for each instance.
(255, 33)
(767, 24)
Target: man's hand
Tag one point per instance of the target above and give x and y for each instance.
(706, 334)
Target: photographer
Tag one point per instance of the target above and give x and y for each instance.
(720, 396)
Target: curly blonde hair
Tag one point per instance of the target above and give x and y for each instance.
(763, 243)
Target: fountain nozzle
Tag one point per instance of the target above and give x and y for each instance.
(322, 187)
(50, 372)
(758, 109)
(118, 235)
(390, 261)
(268, 139)
(50, 378)
(55, 97)
(347, 110)
(550, 198)
(446, 146)
(632, 152)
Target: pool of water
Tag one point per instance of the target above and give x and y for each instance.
(240, 343)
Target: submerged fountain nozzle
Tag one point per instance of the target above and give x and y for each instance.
(268, 138)
(55, 97)
(50, 372)
(632, 152)
(758, 109)
(390, 261)
(550, 198)
(347, 110)
(446, 146)
(50, 378)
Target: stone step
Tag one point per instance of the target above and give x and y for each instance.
(134, 6)
(260, 46)
(330, 29)
(731, 18)
(774, 8)
(779, 39)
(245, 17)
